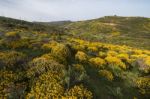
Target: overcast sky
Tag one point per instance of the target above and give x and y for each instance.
(56, 10)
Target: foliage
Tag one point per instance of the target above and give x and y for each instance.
(12, 60)
(114, 30)
(102, 54)
(48, 86)
(79, 92)
(61, 52)
(49, 46)
(107, 74)
(94, 49)
(81, 56)
(40, 65)
(8, 87)
(12, 36)
(115, 61)
(143, 83)
(98, 62)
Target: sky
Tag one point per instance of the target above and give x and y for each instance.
(57, 10)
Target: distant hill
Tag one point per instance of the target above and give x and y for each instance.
(57, 23)
(132, 31)
(9, 24)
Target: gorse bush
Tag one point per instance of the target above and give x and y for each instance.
(79, 92)
(12, 36)
(61, 52)
(48, 86)
(115, 62)
(19, 44)
(34, 65)
(12, 60)
(9, 87)
(81, 56)
(98, 62)
(41, 65)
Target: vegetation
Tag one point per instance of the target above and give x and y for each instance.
(56, 62)
(131, 31)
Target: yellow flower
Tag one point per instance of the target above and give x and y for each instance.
(123, 56)
(92, 48)
(138, 52)
(147, 61)
(111, 53)
(115, 61)
(134, 56)
(49, 46)
(81, 56)
(102, 54)
(79, 47)
(98, 62)
(80, 92)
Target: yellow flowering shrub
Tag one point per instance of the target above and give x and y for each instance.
(47, 86)
(92, 48)
(79, 68)
(11, 59)
(143, 83)
(40, 65)
(8, 86)
(49, 46)
(124, 57)
(81, 56)
(134, 56)
(61, 52)
(147, 61)
(79, 47)
(146, 52)
(5, 83)
(21, 43)
(107, 74)
(115, 61)
(80, 92)
(98, 62)
(48, 56)
(69, 97)
(111, 53)
(102, 54)
(14, 35)
(79, 41)
(137, 52)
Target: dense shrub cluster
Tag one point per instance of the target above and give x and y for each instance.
(71, 69)
(12, 60)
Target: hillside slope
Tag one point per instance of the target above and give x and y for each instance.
(132, 31)
(49, 61)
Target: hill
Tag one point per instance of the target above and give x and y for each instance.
(56, 23)
(9, 24)
(132, 31)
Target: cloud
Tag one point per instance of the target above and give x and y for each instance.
(52, 10)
